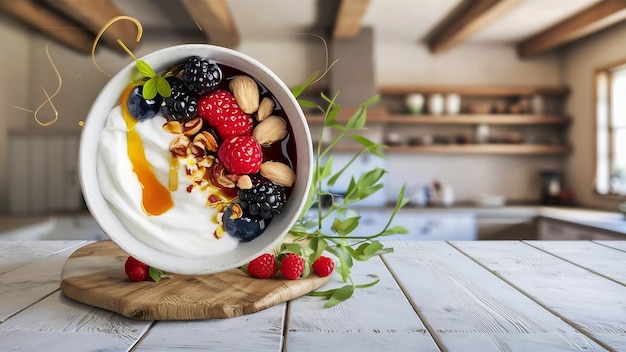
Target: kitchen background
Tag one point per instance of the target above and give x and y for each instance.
(39, 163)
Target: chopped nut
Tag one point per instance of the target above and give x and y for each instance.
(219, 232)
(179, 146)
(246, 93)
(192, 126)
(173, 127)
(237, 212)
(173, 180)
(244, 182)
(266, 106)
(207, 140)
(270, 130)
(279, 173)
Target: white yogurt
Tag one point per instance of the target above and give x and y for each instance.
(187, 229)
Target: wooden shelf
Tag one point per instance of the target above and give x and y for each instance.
(502, 149)
(469, 119)
(495, 119)
(477, 90)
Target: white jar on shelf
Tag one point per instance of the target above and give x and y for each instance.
(453, 104)
(435, 104)
(414, 103)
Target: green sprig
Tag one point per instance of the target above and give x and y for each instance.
(311, 241)
(154, 84)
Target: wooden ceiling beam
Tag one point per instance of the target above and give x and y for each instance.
(215, 20)
(349, 17)
(594, 18)
(465, 20)
(54, 25)
(93, 15)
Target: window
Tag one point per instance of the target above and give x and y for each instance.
(610, 178)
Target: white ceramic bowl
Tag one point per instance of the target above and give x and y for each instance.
(245, 251)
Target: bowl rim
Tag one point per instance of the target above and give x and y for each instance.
(245, 251)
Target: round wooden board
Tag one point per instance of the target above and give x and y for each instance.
(94, 275)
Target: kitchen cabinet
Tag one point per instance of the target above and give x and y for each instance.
(523, 130)
(551, 229)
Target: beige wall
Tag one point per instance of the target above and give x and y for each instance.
(580, 61)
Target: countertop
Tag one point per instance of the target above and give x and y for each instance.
(432, 296)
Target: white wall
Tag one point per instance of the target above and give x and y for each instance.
(580, 61)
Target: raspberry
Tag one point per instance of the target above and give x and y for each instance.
(265, 199)
(220, 109)
(292, 266)
(136, 270)
(241, 155)
(323, 266)
(201, 75)
(263, 267)
(180, 105)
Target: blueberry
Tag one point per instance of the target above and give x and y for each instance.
(141, 108)
(245, 228)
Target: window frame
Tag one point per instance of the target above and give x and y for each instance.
(607, 70)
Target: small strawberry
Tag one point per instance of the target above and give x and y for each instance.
(323, 266)
(220, 109)
(263, 267)
(136, 270)
(292, 266)
(241, 155)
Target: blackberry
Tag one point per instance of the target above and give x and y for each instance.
(180, 105)
(264, 200)
(201, 76)
(245, 228)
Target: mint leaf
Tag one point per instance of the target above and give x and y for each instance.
(340, 295)
(163, 87)
(150, 89)
(145, 69)
(155, 274)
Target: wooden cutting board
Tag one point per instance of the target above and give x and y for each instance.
(95, 275)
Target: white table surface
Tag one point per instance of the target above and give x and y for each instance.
(449, 296)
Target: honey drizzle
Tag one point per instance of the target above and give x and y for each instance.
(156, 198)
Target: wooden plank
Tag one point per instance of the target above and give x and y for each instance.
(29, 283)
(93, 15)
(589, 302)
(262, 331)
(466, 305)
(349, 16)
(15, 254)
(215, 20)
(57, 323)
(621, 245)
(467, 19)
(601, 262)
(377, 318)
(37, 16)
(592, 19)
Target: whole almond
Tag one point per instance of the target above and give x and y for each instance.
(246, 92)
(279, 173)
(266, 106)
(270, 130)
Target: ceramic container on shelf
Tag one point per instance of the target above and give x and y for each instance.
(131, 236)
(414, 103)
(453, 104)
(436, 104)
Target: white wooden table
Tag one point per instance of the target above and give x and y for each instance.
(450, 296)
